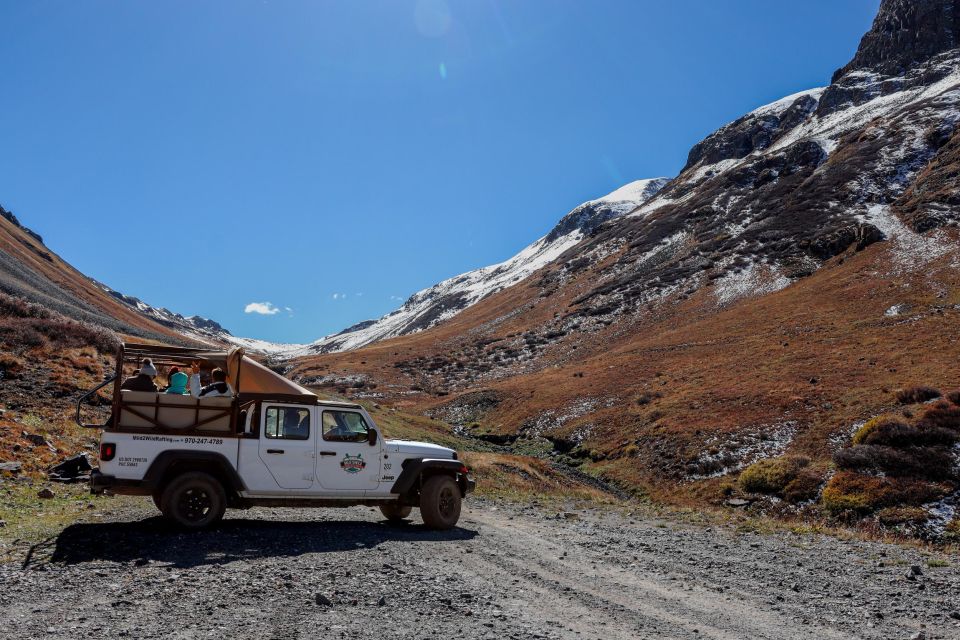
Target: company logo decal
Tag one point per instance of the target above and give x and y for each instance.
(352, 464)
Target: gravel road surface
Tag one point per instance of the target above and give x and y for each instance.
(508, 571)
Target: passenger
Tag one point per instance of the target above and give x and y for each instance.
(218, 388)
(174, 369)
(143, 381)
(178, 383)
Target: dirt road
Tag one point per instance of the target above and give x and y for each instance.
(507, 572)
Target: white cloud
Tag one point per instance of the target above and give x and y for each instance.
(339, 296)
(398, 298)
(262, 308)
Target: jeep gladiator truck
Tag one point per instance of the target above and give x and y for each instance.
(273, 443)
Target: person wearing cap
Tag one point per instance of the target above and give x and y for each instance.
(143, 381)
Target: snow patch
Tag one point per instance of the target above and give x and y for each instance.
(728, 453)
(909, 249)
(752, 280)
(779, 106)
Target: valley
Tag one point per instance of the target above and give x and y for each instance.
(723, 404)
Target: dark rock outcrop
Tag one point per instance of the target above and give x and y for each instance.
(905, 33)
(933, 200)
(753, 132)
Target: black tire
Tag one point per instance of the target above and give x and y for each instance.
(156, 499)
(440, 502)
(194, 500)
(395, 512)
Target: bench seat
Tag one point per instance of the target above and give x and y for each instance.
(171, 411)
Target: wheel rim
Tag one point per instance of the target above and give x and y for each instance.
(194, 504)
(448, 503)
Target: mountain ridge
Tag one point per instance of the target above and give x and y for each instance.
(764, 303)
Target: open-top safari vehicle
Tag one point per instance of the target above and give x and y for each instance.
(272, 443)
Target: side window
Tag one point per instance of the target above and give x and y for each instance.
(288, 423)
(344, 426)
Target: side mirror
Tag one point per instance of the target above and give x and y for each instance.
(371, 437)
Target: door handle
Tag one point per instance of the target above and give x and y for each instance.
(274, 450)
(328, 453)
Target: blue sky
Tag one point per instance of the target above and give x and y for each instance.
(331, 158)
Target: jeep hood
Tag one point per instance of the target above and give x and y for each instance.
(424, 449)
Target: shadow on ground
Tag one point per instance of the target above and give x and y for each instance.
(156, 540)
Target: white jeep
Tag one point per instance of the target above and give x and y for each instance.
(273, 443)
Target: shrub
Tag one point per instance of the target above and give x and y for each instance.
(34, 326)
(647, 397)
(952, 531)
(916, 394)
(14, 307)
(899, 434)
(876, 423)
(954, 397)
(18, 334)
(10, 366)
(849, 492)
(803, 488)
(943, 415)
(771, 475)
(902, 515)
(920, 462)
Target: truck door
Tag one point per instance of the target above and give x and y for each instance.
(347, 462)
(288, 444)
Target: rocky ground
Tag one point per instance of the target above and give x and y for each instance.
(508, 571)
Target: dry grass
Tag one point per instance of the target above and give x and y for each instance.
(30, 519)
(522, 478)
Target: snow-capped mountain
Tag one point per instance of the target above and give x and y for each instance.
(442, 301)
(771, 197)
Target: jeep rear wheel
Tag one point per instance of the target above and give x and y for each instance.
(440, 502)
(194, 500)
(395, 512)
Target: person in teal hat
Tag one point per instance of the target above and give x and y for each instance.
(178, 383)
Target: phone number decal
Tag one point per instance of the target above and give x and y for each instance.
(203, 440)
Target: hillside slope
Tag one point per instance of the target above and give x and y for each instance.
(801, 268)
(30, 270)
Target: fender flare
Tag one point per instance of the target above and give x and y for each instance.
(163, 462)
(413, 469)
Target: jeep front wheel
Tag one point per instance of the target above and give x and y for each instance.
(194, 500)
(440, 502)
(395, 512)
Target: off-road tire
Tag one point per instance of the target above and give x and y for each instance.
(395, 512)
(194, 500)
(440, 502)
(157, 495)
